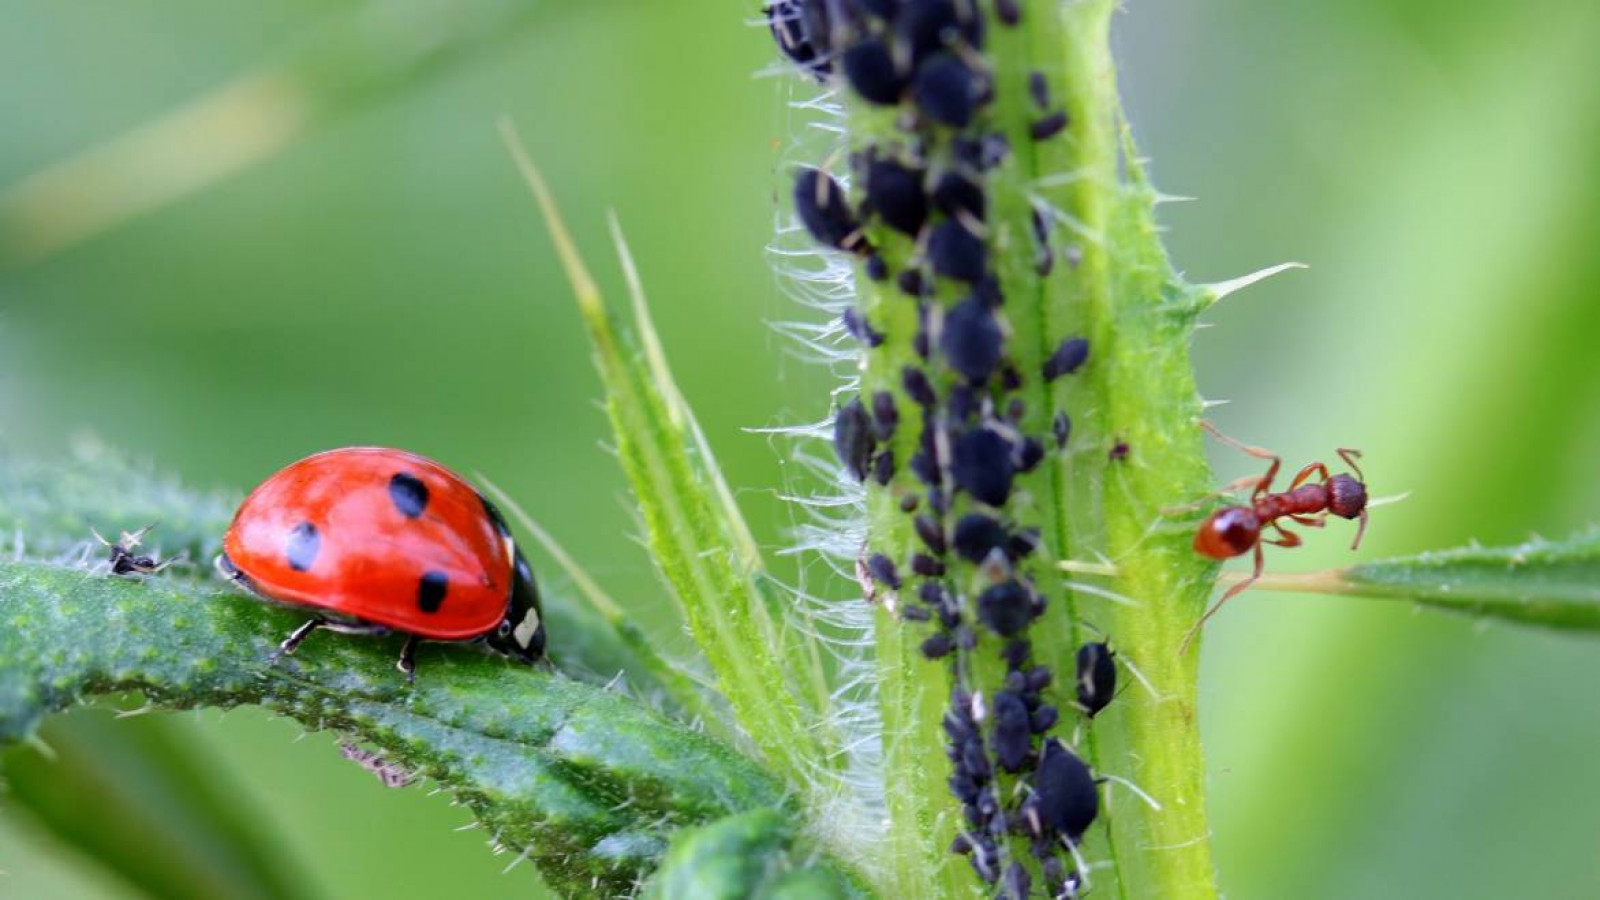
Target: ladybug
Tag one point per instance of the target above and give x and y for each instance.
(374, 540)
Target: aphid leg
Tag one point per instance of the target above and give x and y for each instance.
(296, 638)
(1264, 483)
(1305, 474)
(408, 659)
(1350, 456)
(1236, 590)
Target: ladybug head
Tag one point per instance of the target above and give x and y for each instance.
(521, 633)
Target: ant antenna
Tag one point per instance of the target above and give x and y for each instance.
(1360, 530)
(1350, 456)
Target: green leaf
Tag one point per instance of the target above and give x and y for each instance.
(749, 855)
(1550, 584)
(586, 783)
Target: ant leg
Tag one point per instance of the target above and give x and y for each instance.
(1350, 456)
(408, 659)
(1316, 521)
(1285, 538)
(296, 638)
(1304, 474)
(1264, 483)
(1238, 484)
(1360, 530)
(1236, 590)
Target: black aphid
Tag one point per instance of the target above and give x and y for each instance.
(933, 594)
(915, 614)
(1030, 454)
(982, 466)
(1022, 543)
(1039, 89)
(1016, 883)
(909, 502)
(1049, 126)
(821, 204)
(870, 68)
(963, 403)
(932, 534)
(790, 29)
(1016, 653)
(956, 194)
(955, 252)
(1119, 452)
(971, 340)
(937, 645)
(885, 416)
(928, 26)
(1005, 608)
(1013, 731)
(1044, 718)
(977, 535)
(883, 569)
(1016, 408)
(925, 467)
(883, 468)
(896, 195)
(1010, 378)
(1067, 358)
(1009, 11)
(1064, 794)
(926, 566)
(917, 386)
(947, 91)
(1097, 677)
(1061, 429)
(912, 283)
(858, 327)
(852, 438)
(877, 268)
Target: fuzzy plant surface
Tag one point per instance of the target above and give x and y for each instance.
(996, 695)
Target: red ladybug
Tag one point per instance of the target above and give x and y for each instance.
(377, 540)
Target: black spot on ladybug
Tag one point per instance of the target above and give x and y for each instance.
(820, 203)
(895, 193)
(1005, 608)
(409, 494)
(302, 546)
(1067, 358)
(1049, 126)
(870, 68)
(852, 438)
(971, 340)
(1065, 797)
(947, 91)
(431, 590)
(1013, 736)
(982, 466)
(1061, 429)
(956, 252)
(1097, 677)
(977, 535)
(956, 194)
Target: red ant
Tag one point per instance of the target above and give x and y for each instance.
(1236, 530)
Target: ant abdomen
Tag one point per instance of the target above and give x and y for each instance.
(1228, 532)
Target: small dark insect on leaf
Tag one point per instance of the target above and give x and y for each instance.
(859, 328)
(915, 614)
(820, 203)
(1065, 795)
(1068, 357)
(790, 29)
(883, 468)
(1010, 13)
(955, 194)
(937, 646)
(971, 340)
(870, 68)
(955, 252)
(885, 416)
(911, 283)
(917, 386)
(1005, 608)
(977, 535)
(1039, 89)
(1016, 883)
(947, 91)
(1016, 653)
(909, 503)
(1097, 677)
(1044, 718)
(982, 466)
(1013, 737)
(1119, 452)
(926, 566)
(883, 569)
(1049, 126)
(963, 403)
(932, 534)
(927, 26)
(1061, 429)
(1024, 542)
(852, 438)
(896, 195)
(877, 269)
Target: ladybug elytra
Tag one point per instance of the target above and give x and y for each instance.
(375, 540)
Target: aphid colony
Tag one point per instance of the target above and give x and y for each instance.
(918, 220)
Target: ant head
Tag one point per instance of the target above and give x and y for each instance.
(1347, 497)
(1228, 532)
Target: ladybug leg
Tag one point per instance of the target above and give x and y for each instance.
(408, 659)
(297, 637)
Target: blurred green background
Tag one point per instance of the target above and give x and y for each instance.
(384, 279)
